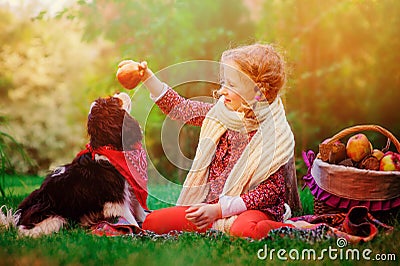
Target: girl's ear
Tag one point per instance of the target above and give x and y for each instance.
(259, 95)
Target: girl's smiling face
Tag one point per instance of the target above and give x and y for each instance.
(236, 86)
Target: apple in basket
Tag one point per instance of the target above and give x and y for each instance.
(358, 147)
(390, 162)
(378, 154)
(130, 73)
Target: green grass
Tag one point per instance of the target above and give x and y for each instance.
(75, 246)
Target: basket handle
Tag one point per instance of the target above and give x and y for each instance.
(359, 128)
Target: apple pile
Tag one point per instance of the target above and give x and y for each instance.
(359, 152)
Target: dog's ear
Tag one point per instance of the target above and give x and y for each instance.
(110, 124)
(105, 122)
(131, 132)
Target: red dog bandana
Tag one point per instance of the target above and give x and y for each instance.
(130, 164)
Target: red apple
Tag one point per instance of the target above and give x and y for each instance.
(390, 162)
(129, 74)
(358, 147)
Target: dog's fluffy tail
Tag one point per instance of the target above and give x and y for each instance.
(8, 219)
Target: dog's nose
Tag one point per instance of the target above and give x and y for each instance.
(126, 101)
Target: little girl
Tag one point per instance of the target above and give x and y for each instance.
(236, 183)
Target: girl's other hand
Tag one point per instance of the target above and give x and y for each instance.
(204, 214)
(142, 64)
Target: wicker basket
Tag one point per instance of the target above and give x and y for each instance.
(357, 185)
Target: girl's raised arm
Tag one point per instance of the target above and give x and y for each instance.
(130, 73)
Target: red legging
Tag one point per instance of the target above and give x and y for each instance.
(251, 223)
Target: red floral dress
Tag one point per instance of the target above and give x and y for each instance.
(268, 196)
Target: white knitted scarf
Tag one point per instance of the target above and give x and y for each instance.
(270, 148)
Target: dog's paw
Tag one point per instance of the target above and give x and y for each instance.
(45, 227)
(34, 232)
(112, 209)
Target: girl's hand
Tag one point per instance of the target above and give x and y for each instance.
(142, 67)
(204, 214)
(142, 64)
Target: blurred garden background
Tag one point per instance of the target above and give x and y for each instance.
(56, 57)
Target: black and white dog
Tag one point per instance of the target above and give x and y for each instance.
(90, 189)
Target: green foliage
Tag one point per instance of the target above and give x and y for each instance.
(8, 145)
(43, 65)
(164, 33)
(167, 32)
(343, 56)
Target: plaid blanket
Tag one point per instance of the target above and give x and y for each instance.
(119, 228)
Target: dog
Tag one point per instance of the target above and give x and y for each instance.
(105, 181)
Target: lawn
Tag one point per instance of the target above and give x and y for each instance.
(75, 246)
